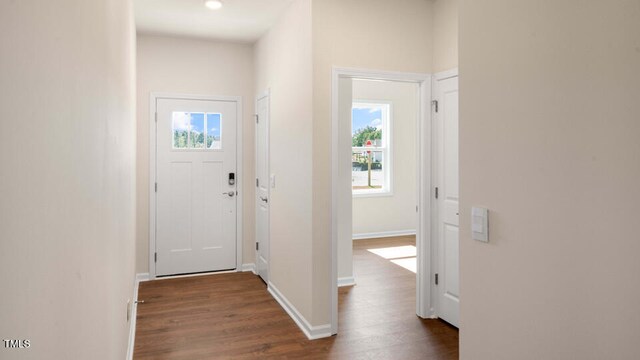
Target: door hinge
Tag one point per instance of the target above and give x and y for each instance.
(257, 118)
(257, 246)
(436, 279)
(155, 257)
(156, 117)
(156, 187)
(257, 182)
(436, 192)
(434, 103)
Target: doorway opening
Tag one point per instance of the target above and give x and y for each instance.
(369, 150)
(384, 120)
(369, 168)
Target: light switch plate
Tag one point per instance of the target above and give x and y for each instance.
(480, 224)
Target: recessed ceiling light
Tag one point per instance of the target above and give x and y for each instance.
(213, 4)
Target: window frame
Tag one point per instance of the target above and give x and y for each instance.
(387, 148)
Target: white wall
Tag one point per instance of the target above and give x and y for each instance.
(201, 67)
(345, 228)
(549, 129)
(445, 35)
(67, 177)
(396, 212)
(283, 65)
(343, 36)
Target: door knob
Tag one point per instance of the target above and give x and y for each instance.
(230, 193)
(264, 199)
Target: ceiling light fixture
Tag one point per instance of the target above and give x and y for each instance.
(213, 4)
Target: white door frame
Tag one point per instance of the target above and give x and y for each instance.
(437, 176)
(264, 94)
(153, 98)
(426, 207)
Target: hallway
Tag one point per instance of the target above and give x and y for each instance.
(233, 316)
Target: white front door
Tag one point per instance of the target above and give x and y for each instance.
(262, 188)
(448, 282)
(196, 191)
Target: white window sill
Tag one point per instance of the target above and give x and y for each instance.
(371, 194)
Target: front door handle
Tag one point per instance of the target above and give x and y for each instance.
(264, 199)
(230, 193)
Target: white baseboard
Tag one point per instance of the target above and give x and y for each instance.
(249, 267)
(134, 312)
(312, 332)
(346, 281)
(383, 234)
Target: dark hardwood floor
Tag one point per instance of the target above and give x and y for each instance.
(232, 316)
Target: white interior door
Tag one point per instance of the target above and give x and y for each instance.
(262, 188)
(195, 195)
(448, 281)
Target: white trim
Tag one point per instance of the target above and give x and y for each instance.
(445, 74)
(152, 181)
(153, 98)
(240, 182)
(145, 276)
(370, 74)
(251, 267)
(383, 234)
(264, 94)
(312, 332)
(180, 276)
(426, 205)
(424, 184)
(371, 194)
(134, 313)
(346, 281)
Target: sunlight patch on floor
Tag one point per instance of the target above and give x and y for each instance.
(395, 252)
(410, 264)
(404, 256)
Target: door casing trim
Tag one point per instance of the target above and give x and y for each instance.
(153, 99)
(426, 210)
(262, 95)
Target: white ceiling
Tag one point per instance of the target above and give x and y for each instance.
(238, 20)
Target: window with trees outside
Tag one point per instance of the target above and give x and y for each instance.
(197, 131)
(371, 148)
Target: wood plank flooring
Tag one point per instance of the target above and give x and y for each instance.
(232, 316)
